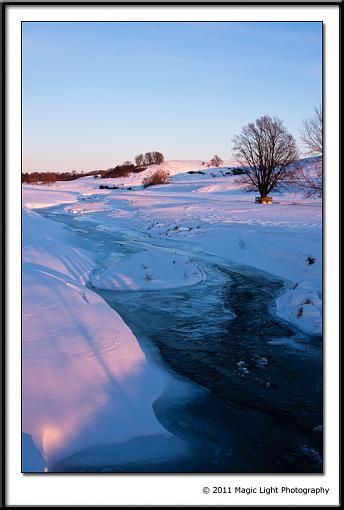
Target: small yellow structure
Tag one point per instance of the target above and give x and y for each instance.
(263, 200)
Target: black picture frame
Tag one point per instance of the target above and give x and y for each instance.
(4, 6)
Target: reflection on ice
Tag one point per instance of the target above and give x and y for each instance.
(52, 438)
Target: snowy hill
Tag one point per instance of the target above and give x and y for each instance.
(202, 210)
(187, 172)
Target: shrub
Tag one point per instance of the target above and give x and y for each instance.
(159, 177)
(216, 161)
(118, 171)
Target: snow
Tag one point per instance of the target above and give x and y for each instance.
(148, 270)
(302, 306)
(65, 192)
(86, 381)
(39, 196)
(212, 213)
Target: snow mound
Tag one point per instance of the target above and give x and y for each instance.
(85, 379)
(148, 270)
(302, 306)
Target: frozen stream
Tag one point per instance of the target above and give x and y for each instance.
(259, 380)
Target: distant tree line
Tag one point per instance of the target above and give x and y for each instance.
(50, 177)
(118, 171)
(35, 177)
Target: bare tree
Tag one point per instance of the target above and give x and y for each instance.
(216, 161)
(158, 157)
(267, 150)
(148, 158)
(139, 159)
(312, 133)
(308, 175)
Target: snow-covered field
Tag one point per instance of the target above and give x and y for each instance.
(98, 383)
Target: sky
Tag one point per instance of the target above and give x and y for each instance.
(97, 94)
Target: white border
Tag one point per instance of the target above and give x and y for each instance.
(169, 489)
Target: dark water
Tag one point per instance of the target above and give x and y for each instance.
(260, 379)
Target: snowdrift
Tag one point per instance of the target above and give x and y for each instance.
(302, 306)
(149, 270)
(86, 380)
